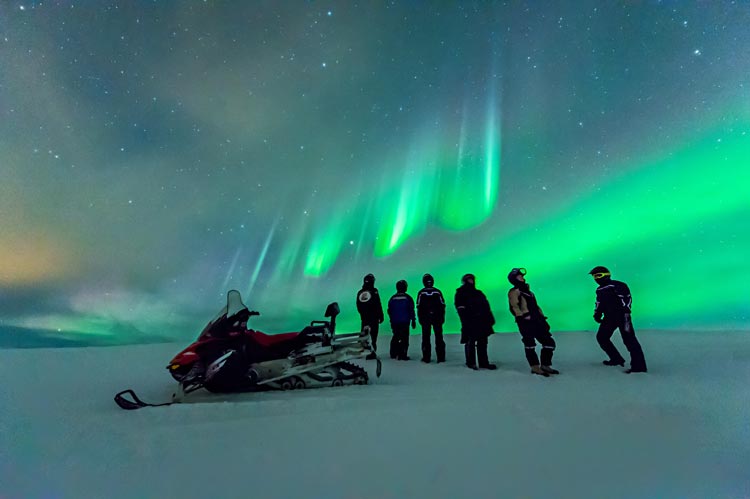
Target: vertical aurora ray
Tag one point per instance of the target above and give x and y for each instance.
(492, 146)
(397, 220)
(230, 271)
(398, 228)
(287, 258)
(406, 210)
(361, 229)
(261, 258)
(470, 179)
(451, 196)
(325, 247)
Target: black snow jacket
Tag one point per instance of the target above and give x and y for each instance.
(613, 300)
(430, 306)
(369, 306)
(475, 314)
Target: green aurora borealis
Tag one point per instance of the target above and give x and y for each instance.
(154, 155)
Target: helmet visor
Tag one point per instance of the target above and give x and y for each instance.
(600, 275)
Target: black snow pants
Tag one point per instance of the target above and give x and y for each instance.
(604, 337)
(533, 330)
(439, 343)
(480, 346)
(400, 341)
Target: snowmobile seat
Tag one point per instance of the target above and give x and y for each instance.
(271, 340)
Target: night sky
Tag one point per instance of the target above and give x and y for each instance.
(154, 155)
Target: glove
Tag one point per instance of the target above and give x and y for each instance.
(413, 324)
(598, 318)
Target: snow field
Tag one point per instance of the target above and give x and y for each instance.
(433, 431)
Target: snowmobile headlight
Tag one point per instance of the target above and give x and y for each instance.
(174, 366)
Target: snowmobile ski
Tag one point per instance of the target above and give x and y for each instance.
(135, 403)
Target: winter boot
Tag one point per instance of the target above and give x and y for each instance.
(488, 366)
(550, 370)
(440, 354)
(426, 353)
(631, 370)
(620, 363)
(470, 366)
(538, 370)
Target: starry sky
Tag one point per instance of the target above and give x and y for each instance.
(155, 154)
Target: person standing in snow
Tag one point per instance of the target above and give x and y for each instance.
(431, 314)
(532, 324)
(401, 313)
(370, 310)
(476, 323)
(612, 311)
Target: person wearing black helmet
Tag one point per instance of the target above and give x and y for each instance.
(532, 324)
(370, 310)
(612, 311)
(431, 314)
(401, 313)
(476, 323)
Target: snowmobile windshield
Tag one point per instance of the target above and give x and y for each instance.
(233, 307)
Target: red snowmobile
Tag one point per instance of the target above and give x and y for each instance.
(230, 357)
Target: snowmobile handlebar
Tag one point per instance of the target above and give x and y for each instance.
(253, 312)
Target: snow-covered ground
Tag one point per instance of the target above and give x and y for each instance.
(433, 431)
